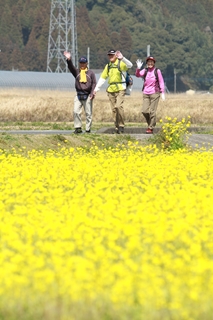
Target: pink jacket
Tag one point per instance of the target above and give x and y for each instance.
(151, 84)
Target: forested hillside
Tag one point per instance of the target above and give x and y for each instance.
(180, 35)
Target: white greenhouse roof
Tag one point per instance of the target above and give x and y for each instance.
(47, 80)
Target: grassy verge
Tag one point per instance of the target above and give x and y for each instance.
(24, 143)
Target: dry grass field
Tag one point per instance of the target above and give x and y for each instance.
(57, 106)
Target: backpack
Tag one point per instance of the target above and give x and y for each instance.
(128, 77)
(156, 76)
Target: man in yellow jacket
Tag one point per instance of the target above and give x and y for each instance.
(115, 71)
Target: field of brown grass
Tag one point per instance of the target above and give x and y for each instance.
(57, 106)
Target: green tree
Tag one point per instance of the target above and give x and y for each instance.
(125, 42)
(115, 39)
(103, 44)
(16, 61)
(31, 54)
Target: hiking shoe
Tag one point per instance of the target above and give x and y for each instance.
(149, 131)
(87, 131)
(78, 130)
(121, 129)
(116, 131)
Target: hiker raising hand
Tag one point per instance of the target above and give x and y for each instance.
(85, 82)
(152, 89)
(114, 71)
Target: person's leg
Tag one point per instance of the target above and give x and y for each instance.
(88, 111)
(113, 99)
(120, 110)
(145, 108)
(77, 113)
(154, 99)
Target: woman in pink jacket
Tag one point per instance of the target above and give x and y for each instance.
(152, 89)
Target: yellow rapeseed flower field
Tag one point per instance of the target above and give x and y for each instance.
(118, 233)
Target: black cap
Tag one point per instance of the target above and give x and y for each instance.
(83, 60)
(111, 51)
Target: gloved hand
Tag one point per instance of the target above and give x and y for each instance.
(119, 55)
(163, 96)
(139, 63)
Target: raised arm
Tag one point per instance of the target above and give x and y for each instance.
(71, 67)
(122, 58)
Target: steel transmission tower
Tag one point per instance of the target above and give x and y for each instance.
(62, 35)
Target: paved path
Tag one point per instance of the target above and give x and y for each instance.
(195, 140)
(201, 140)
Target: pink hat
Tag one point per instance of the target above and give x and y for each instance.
(150, 58)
